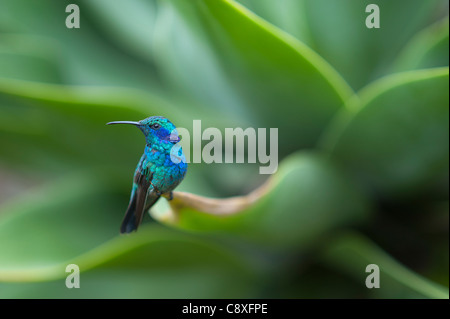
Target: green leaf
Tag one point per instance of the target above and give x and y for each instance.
(262, 75)
(129, 24)
(288, 15)
(156, 263)
(67, 124)
(336, 30)
(428, 49)
(45, 226)
(299, 204)
(394, 139)
(75, 221)
(29, 58)
(352, 253)
(86, 57)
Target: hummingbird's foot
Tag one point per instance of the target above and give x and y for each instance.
(168, 195)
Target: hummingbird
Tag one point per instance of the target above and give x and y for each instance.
(161, 168)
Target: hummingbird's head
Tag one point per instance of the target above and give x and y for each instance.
(157, 129)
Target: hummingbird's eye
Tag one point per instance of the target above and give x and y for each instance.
(155, 126)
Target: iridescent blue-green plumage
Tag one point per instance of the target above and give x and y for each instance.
(162, 168)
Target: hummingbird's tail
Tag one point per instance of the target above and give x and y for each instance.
(140, 203)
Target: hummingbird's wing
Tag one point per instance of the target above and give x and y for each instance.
(141, 200)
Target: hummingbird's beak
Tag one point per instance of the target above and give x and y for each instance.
(124, 122)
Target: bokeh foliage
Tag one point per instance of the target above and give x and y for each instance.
(363, 142)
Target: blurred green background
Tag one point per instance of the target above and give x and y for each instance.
(363, 145)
